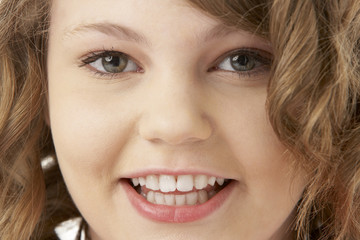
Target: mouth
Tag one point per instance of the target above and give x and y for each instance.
(178, 190)
(177, 198)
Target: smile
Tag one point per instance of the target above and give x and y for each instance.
(178, 190)
(177, 198)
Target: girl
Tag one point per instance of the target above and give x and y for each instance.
(174, 119)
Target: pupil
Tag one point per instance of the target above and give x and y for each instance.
(114, 61)
(241, 60)
(114, 64)
(242, 63)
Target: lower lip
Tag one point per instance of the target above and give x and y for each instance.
(176, 214)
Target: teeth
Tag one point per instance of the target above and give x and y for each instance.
(191, 198)
(135, 181)
(159, 187)
(200, 181)
(185, 183)
(152, 182)
(169, 199)
(151, 197)
(211, 181)
(167, 183)
(159, 198)
(142, 181)
(180, 200)
(220, 181)
(203, 196)
(211, 194)
(181, 183)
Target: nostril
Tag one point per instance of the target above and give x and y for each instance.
(180, 125)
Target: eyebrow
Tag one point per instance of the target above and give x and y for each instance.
(110, 29)
(124, 33)
(216, 32)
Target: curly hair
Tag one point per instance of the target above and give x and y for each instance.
(313, 105)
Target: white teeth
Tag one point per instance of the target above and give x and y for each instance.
(203, 196)
(191, 198)
(151, 197)
(135, 181)
(180, 200)
(200, 181)
(167, 183)
(220, 181)
(211, 181)
(142, 181)
(185, 183)
(181, 183)
(152, 182)
(159, 198)
(169, 199)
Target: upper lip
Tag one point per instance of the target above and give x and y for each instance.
(146, 172)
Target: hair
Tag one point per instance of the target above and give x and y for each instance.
(313, 105)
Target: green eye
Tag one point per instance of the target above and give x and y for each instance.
(245, 61)
(114, 64)
(242, 62)
(111, 62)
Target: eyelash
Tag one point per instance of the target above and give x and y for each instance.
(92, 57)
(262, 58)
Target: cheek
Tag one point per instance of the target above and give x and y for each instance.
(246, 129)
(243, 125)
(85, 130)
(265, 162)
(269, 186)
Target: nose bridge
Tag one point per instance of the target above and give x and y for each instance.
(172, 113)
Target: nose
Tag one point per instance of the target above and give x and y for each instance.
(173, 114)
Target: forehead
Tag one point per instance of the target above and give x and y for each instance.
(144, 21)
(151, 16)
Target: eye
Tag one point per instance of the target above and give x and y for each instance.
(111, 62)
(245, 60)
(238, 63)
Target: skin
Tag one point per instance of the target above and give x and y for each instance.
(173, 113)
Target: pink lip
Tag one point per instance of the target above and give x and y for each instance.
(160, 171)
(176, 214)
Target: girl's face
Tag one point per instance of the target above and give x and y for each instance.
(158, 93)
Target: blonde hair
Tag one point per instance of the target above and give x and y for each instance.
(313, 105)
